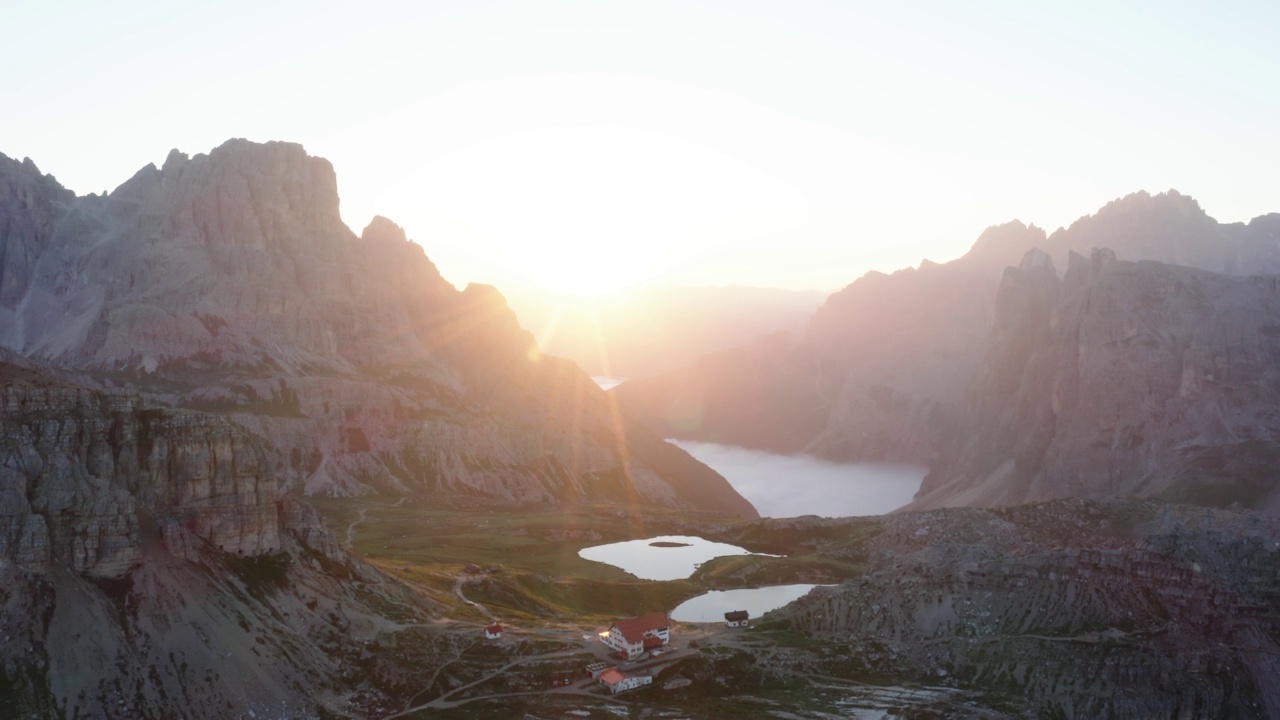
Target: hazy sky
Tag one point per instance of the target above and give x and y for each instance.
(585, 145)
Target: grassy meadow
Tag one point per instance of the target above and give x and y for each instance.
(528, 556)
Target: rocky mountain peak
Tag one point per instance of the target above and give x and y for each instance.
(1169, 227)
(30, 205)
(175, 160)
(1169, 202)
(226, 282)
(283, 186)
(382, 230)
(1009, 238)
(1036, 259)
(492, 325)
(242, 193)
(23, 179)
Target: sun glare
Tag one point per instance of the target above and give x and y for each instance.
(587, 210)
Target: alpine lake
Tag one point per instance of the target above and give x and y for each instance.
(674, 557)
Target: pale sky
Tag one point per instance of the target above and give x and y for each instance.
(583, 146)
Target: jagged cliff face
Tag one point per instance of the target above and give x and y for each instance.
(1116, 608)
(30, 206)
(227, 283)
(1122, 378)
(149, 567)
(87, 477)
(226, 261)
(883, 371)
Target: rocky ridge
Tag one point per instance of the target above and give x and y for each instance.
(1121, 378)
(883, 372)
(227, 283)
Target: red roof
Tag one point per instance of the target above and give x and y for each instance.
(612, 676)
(652, 642)
(494, 628)
(633, 629)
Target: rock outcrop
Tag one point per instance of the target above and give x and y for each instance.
(227, 283)
(88, 477)
(30, 206)
(149, 567)
(1116, 608)
(1126, 378)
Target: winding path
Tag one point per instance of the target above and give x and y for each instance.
(444, 702)
(364, 511)
(457, 590)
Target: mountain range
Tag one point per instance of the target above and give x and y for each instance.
(185, 358)
(1000, 374)
(227, 283)
(181, 359)
(652, 330)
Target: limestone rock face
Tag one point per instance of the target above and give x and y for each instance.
(227, 283)
(883, 371)
(1124, 378)
(149, 567)
(30, 207)
(88, 478)
(230, 260)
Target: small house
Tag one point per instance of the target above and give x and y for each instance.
(736, 618)
(617, 681)
(493, 632)
(632, 637)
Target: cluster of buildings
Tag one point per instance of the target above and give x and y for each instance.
(633, 637)
(616, 681)
(629, 639)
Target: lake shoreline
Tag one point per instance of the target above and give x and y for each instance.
(784, 486)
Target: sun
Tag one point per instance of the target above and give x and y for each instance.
(586, 270)
(583, 210)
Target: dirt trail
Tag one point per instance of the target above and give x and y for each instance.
(364, 511)
(457, 590)
(444, 702)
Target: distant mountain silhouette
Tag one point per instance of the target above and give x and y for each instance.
(884, 369)
(649, 331)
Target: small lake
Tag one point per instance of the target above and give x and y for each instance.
(793, 485)
(675, 557)
(711, 606)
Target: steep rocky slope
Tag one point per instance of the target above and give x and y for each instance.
(149, 567)
(227, 282)
(1113, 608)
(1121, 378)
(882, 370)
